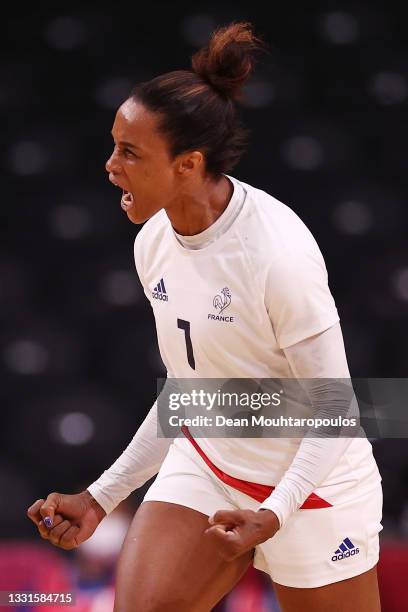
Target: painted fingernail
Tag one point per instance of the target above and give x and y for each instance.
(48, 522)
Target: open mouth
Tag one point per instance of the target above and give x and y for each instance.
(127, 200)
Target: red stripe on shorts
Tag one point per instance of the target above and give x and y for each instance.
(257, 491)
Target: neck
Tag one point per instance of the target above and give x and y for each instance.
(194, 211)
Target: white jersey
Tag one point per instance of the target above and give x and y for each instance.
(228, 310)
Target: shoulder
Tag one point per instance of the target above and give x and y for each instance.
(271, 228)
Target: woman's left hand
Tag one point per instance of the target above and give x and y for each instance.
(241, 530)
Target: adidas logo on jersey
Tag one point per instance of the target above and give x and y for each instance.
(159, 292)
(346, 549)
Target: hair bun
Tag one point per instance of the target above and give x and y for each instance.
(228, 60)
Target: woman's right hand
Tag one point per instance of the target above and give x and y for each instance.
(66, 520)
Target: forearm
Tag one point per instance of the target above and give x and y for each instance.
(313, 462)
(139, 461)
(322, 360)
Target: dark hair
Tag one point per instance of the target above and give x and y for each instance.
(196, 107)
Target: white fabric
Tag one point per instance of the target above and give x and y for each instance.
(320, 357)
(139, 461)
(259, 259)
(279, 297)
(301, 553)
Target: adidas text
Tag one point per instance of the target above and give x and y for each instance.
(160, 296)
(348, 553)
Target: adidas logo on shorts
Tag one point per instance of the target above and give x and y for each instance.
(159, 292)
(346, 549)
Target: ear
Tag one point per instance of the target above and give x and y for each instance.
(190, 162)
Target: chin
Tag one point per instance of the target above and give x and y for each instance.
(137, 216)
(136, 219)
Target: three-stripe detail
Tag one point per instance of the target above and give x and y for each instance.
(346, 545)
(160, 288)
(159, 292)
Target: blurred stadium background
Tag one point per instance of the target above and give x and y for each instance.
(78, 357)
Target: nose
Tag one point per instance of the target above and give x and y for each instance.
(112, 164)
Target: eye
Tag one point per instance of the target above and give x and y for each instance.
(129, 153)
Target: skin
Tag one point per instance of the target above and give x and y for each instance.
(192, 199)
(74, 518)
(175, 559)
(184, 571)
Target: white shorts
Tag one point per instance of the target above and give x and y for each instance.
(314, 548)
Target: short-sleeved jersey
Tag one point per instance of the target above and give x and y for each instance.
(229, 309)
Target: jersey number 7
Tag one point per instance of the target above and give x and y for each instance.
(185, 325)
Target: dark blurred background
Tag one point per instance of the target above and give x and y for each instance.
(328, 113)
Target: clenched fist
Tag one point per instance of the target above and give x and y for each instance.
(66, 520)
(238, 531)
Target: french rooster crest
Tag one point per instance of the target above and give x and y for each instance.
(220, 302)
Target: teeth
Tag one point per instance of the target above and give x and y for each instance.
(127, 200)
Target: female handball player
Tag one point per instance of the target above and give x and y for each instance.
(305, 511)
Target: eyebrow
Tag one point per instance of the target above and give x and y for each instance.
(128, 144)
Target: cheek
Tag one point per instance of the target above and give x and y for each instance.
(158, 185)
(154, 180)
(143, 177)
